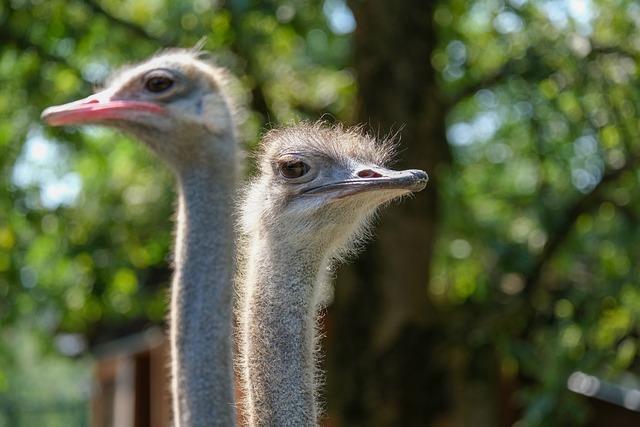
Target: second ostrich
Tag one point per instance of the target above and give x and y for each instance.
(311, 205)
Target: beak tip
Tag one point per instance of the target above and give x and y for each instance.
(44, 116)
(48, 116)
(421, 179)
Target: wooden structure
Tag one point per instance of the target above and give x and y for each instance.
(131, 382)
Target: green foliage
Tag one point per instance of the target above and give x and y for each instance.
(540, 234)
(537, 260)
(46, 389)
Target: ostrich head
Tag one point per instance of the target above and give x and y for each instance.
(322, 185)
(174, 102)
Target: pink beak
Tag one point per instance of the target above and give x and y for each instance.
(96, 108)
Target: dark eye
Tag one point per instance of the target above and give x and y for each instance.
(293, 169)
(158, 84)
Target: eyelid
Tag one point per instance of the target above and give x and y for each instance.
(290, 158)
(286, 158)
(159, 72)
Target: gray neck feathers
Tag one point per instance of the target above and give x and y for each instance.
(283, 281)
(277, 316)
(201, 298)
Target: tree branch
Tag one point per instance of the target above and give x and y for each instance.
(558, 235)
(137, 30)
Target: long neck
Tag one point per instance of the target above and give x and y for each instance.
(278, 334)
(201, 300)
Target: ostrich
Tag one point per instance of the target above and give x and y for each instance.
(178, 105)
(310, 206)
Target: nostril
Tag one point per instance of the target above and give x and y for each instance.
(368, 173)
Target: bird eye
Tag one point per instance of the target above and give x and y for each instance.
(293, 169)
(158, 84)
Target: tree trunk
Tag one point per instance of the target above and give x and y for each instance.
(381, 365)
